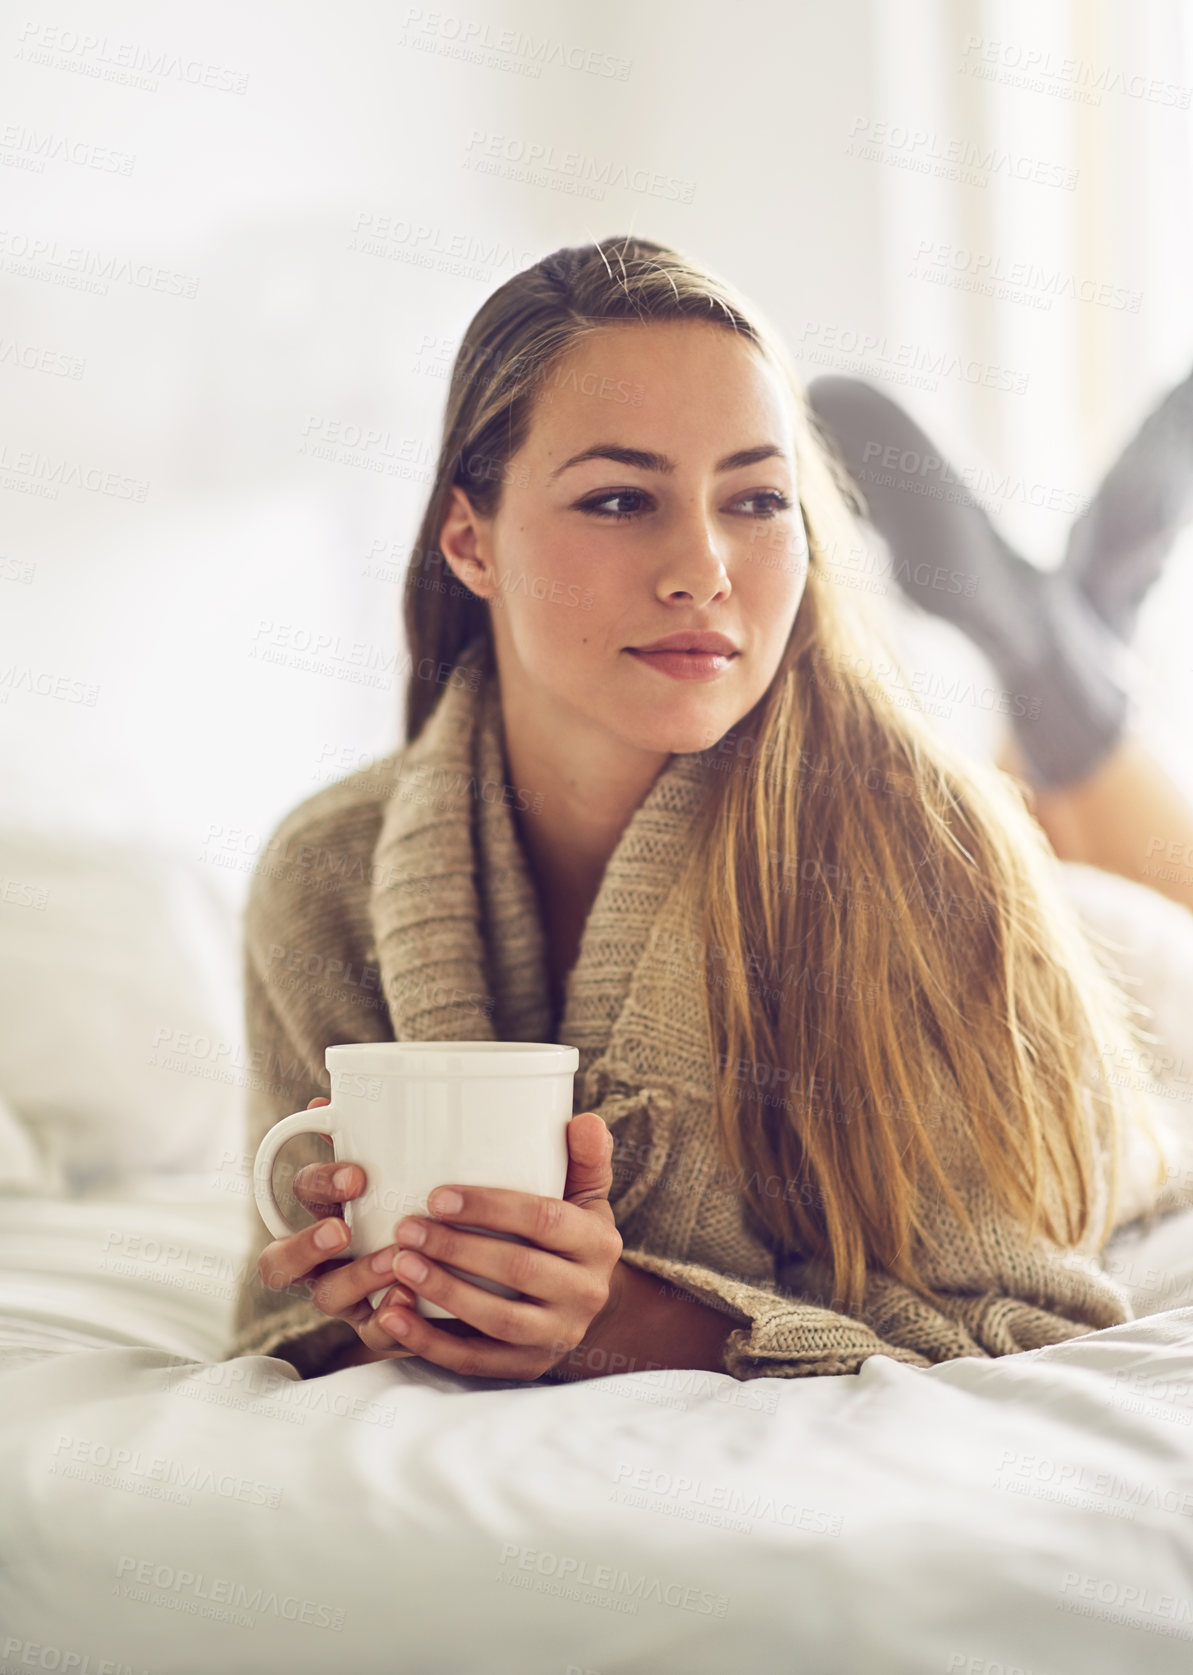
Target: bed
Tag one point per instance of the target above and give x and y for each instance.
(166, 1511)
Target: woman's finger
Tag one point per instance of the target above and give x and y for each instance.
(286, 1261)
(343, 1287)
(590, 1160)
(473, 1357)
(538, 1273)
(320, 1187)
(374, 1336)
(505, 1318)
(579, 1225)
(581, 1232)
(315, 1186)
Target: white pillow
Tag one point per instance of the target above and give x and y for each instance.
(1153, 938)
(120, 993)
(22, 1166)
(1152, 949)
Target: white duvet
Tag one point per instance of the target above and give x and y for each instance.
(163, 1511)
(166, 1512)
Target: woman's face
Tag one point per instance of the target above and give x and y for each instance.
(684, 517)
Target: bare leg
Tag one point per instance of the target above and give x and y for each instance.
(1126, 817)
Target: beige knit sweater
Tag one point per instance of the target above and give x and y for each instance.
(398, 905)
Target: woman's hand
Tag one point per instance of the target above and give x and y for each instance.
(310, 1255)
(568, 1268)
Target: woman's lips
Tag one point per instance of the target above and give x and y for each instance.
(686, 665)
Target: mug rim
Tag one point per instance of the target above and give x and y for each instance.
(453, 1058)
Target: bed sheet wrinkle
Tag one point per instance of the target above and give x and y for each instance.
(728, 1494)
(920, 1489)
(980, 1506)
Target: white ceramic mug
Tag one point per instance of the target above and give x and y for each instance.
(420, 1114)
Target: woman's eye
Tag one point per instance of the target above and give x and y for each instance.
(777, 503)
(595, 506)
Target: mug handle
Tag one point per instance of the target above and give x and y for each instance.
(302, 1122)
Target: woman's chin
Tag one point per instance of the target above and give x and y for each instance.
(684, 737)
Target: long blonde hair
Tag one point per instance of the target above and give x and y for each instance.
(936, 960)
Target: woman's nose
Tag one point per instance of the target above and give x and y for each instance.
(696, 565)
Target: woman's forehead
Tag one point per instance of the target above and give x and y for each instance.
(645, 387)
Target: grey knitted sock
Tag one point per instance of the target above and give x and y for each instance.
(1117, 547)
(1063, 669)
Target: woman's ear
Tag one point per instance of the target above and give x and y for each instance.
(464, 542)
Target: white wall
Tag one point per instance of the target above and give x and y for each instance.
(149, 611)
(261, 136)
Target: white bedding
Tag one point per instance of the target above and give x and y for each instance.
(155, 1263)
(169, 1513)
(166, 1512)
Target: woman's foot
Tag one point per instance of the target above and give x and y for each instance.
(1118, 546)
(1065, 673)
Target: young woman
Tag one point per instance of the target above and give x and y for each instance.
(841, 1033)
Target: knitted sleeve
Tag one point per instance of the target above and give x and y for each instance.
(308, 983)
(787, 1330)
(682, 1223)
(284, 1323)
(780, 1335)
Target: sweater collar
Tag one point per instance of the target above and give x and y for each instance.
(459, 934)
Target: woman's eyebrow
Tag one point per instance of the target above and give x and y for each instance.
(647, 461)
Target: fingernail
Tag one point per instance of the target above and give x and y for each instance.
(342, 1179)
(383, 1262)
(411, 1267)
(330, 1235)
(444, 1201)
(397, 1325)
